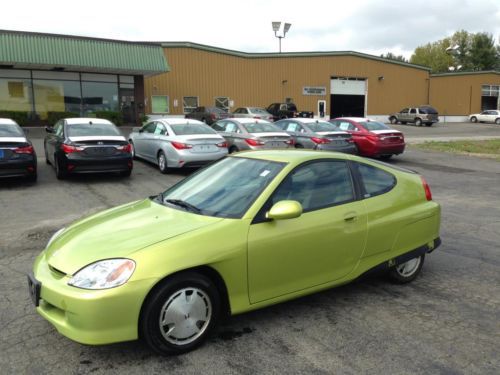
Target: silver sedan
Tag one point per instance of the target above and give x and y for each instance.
(177, 143)
(253, 112)
(318, 135)
(250, 134)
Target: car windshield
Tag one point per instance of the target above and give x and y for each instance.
(225, 189)
(322, 126)
(188, 129)
(259, 111)
(10, 130)
(261, 127)
(374, 125)
(82, 130)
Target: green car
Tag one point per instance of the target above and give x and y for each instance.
(254, 229)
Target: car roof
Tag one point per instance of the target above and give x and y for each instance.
(178, 121)
(291, 156)
(7, 121)
(357, 119)
(80, 120)
(248, 120)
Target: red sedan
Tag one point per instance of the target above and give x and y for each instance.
(372, 138)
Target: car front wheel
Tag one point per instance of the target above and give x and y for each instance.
(407, 271)
(179, 314)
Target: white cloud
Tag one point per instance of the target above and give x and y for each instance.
(359, 25)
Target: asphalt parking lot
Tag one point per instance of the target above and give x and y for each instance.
(445, 322)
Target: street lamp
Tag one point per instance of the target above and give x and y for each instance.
(276, 28)
(454, 51)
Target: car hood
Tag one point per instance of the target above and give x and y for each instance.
(118, 232)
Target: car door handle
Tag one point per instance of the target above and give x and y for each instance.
(350, 216)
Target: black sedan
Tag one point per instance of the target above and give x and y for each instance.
(87, 145)
(17, 155)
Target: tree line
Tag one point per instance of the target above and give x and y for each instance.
(463, 51)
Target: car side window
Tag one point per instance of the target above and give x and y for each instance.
(345, 125)
(375, 180)
(404, 110)
(231, 127)
(160, 129)
(292, 127)
(317, 185)
(413, 111)
(219, 126)
(58, 129)
(149, 128)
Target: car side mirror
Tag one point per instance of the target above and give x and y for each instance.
(141, 130)
(49, 129)
(284, 210)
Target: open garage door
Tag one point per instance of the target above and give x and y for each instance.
(347, 97)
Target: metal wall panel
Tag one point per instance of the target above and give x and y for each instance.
(260, 81)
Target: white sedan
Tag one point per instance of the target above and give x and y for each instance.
(486, 116)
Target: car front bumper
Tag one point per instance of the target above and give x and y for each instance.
(92, 317)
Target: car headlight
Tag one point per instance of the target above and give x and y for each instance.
(104, 274)
(54, 236)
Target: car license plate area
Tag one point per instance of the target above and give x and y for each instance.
(34, 287)
(204, 148)
(100, 151)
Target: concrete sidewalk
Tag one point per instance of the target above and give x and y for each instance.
(418, 140)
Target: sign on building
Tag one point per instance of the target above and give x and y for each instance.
(310, 90)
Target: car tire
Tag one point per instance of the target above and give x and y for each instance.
(393, 120)
(473, 119)
(162, 162)
(168, 328)
(497, 121)
(233, 149)
(403, 122)
(418, 122)
(405, 272)
(298, 145)
(385, 157)
(428, 124)
(60, 174)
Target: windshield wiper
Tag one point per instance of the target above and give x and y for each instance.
(183, 204)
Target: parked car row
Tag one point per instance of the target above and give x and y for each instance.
(91, 145)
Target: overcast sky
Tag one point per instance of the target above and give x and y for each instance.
(367, 26)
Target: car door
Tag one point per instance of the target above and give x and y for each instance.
(403, 115)
(412, 115)
(54, 139)
(141, 141)
(490, 116)
(324, 244)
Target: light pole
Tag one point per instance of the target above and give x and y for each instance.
(276, 28)
(453, 51)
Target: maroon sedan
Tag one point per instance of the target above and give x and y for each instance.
(372, 138)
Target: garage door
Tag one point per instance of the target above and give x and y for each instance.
(347, 97)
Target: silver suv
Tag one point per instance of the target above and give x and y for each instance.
(418, 115)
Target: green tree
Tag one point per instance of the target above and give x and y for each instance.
(433, 55)
(470, 52)
(483, 52)
(392, 56)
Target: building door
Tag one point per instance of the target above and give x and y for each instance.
(347, 97)
(127, 105)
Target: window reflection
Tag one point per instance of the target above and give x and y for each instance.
(99, 96)
(56, 96)
(15, 94)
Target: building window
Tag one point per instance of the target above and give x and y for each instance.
(15, 95)
(16, 89)
(222, 102)
(189, 103)
(490, 90)
(159, 104)
(56, 96)
(99, 96)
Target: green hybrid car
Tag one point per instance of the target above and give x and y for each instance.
(254, 229)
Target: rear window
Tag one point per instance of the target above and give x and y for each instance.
(261, 127)
(375, 180)
(374, 125)
(10, 130)
(188, 129)
(83, 130)
(259, 110)
(323, 126)
(215, 109)
(428, 110)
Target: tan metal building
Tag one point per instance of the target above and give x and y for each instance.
(348, 83)
(456, 95)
